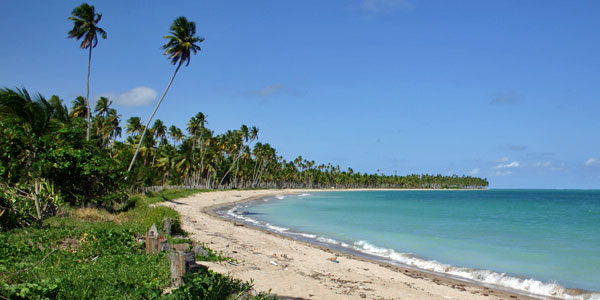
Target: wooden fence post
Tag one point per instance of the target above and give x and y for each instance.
(152, 240)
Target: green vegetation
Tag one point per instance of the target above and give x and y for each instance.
(93, 254)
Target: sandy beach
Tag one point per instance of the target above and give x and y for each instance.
(300, 270)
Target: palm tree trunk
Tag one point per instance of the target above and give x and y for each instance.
(152, 116)
(231, 168)
(87, 94)
(36, 189)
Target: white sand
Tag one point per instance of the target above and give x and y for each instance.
(300, 270)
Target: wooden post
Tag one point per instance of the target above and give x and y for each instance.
(177, 267)
(152, 240)
(167, 226)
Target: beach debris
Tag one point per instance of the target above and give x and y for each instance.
(334, 260)
(238, 224)
(274, 263)
(362, 295)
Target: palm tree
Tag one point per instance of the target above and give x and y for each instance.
(85, 25)
(133, 126)
(175, 134)
(79, 108)
(103, 106)
(182, 42)
(59, 110)
(160, 130)
(115, 129)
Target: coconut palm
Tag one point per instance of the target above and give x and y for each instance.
(133, 126)
(182, 42)
(175, 134)
(59, 110)
(160, 130)
(85, 25)
(103, 106)
(111, 129)
(79, 108)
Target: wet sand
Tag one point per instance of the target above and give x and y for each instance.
(300, 270)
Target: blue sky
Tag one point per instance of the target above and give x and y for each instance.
(507, 90)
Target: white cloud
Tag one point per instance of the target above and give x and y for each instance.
(138, 96)
(513, 164)
(592, 162)
(384, 5)
(475, 171)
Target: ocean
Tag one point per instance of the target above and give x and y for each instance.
(542, 242)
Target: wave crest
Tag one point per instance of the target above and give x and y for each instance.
(530, 285)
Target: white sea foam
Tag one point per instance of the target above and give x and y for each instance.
(307, 235)
(276, 228)
(490, 277)
(303, 195)
(232, 213)
(327, 240)
(280, 197)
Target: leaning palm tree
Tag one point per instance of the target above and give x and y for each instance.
(182, 42)
(85, 25)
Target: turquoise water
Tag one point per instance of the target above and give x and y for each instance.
(503, 237)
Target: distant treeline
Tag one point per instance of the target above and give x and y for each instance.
(45, 152)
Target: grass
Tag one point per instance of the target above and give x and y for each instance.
(95, 254)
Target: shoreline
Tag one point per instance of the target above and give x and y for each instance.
(354, 276)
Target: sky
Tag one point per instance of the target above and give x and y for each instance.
(505, 90)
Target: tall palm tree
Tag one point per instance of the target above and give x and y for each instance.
(85, 25)
(182, 42)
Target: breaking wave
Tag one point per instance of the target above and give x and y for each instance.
(530, 285)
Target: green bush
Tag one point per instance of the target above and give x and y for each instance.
(17, 203)
(71, 258)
